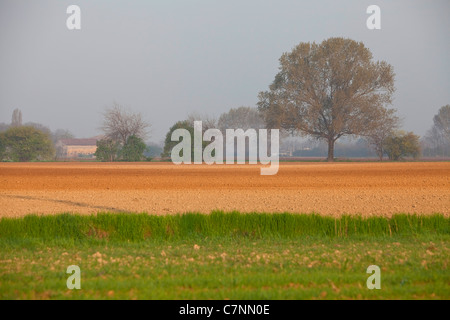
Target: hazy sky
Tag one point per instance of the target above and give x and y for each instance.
(168, 58)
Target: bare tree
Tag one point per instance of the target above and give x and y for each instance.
(61, 134)
(208, 121)
(16, 119)
(240, 118)
(119, 124)
(434, 143)
(40, 127)
(327, 90)
(384, 124)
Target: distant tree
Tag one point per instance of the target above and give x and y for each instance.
(26, 144)
(120, 124)
(435, 144)
(208, 121)
(107, 150)
(402, 144)
(411, 145)
(327, 90)
(16, 119)
(437, 139)
(241, 118)
(59, 134)
(384, 125)
(39, 127)
(442, 122)
(133, 150)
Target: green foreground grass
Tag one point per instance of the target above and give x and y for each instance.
(224, 256)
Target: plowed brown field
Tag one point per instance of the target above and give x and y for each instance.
(161, 188)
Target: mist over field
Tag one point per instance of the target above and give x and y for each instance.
(166, 60)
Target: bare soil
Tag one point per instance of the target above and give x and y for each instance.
(164, 188)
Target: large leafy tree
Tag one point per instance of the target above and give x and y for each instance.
(26, 143)
(327, 90)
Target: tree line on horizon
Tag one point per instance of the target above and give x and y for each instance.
(323, 91)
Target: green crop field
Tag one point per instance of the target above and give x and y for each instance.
(224, 256)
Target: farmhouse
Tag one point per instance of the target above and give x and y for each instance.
(77, 148)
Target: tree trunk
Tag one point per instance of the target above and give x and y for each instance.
(330, 150)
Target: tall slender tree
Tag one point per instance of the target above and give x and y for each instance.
(16, 119)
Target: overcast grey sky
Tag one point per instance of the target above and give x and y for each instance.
(168, 58)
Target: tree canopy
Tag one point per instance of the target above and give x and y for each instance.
(327, 90)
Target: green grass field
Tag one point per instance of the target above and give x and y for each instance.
(224, 256)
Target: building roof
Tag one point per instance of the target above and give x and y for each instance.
(80, 142)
